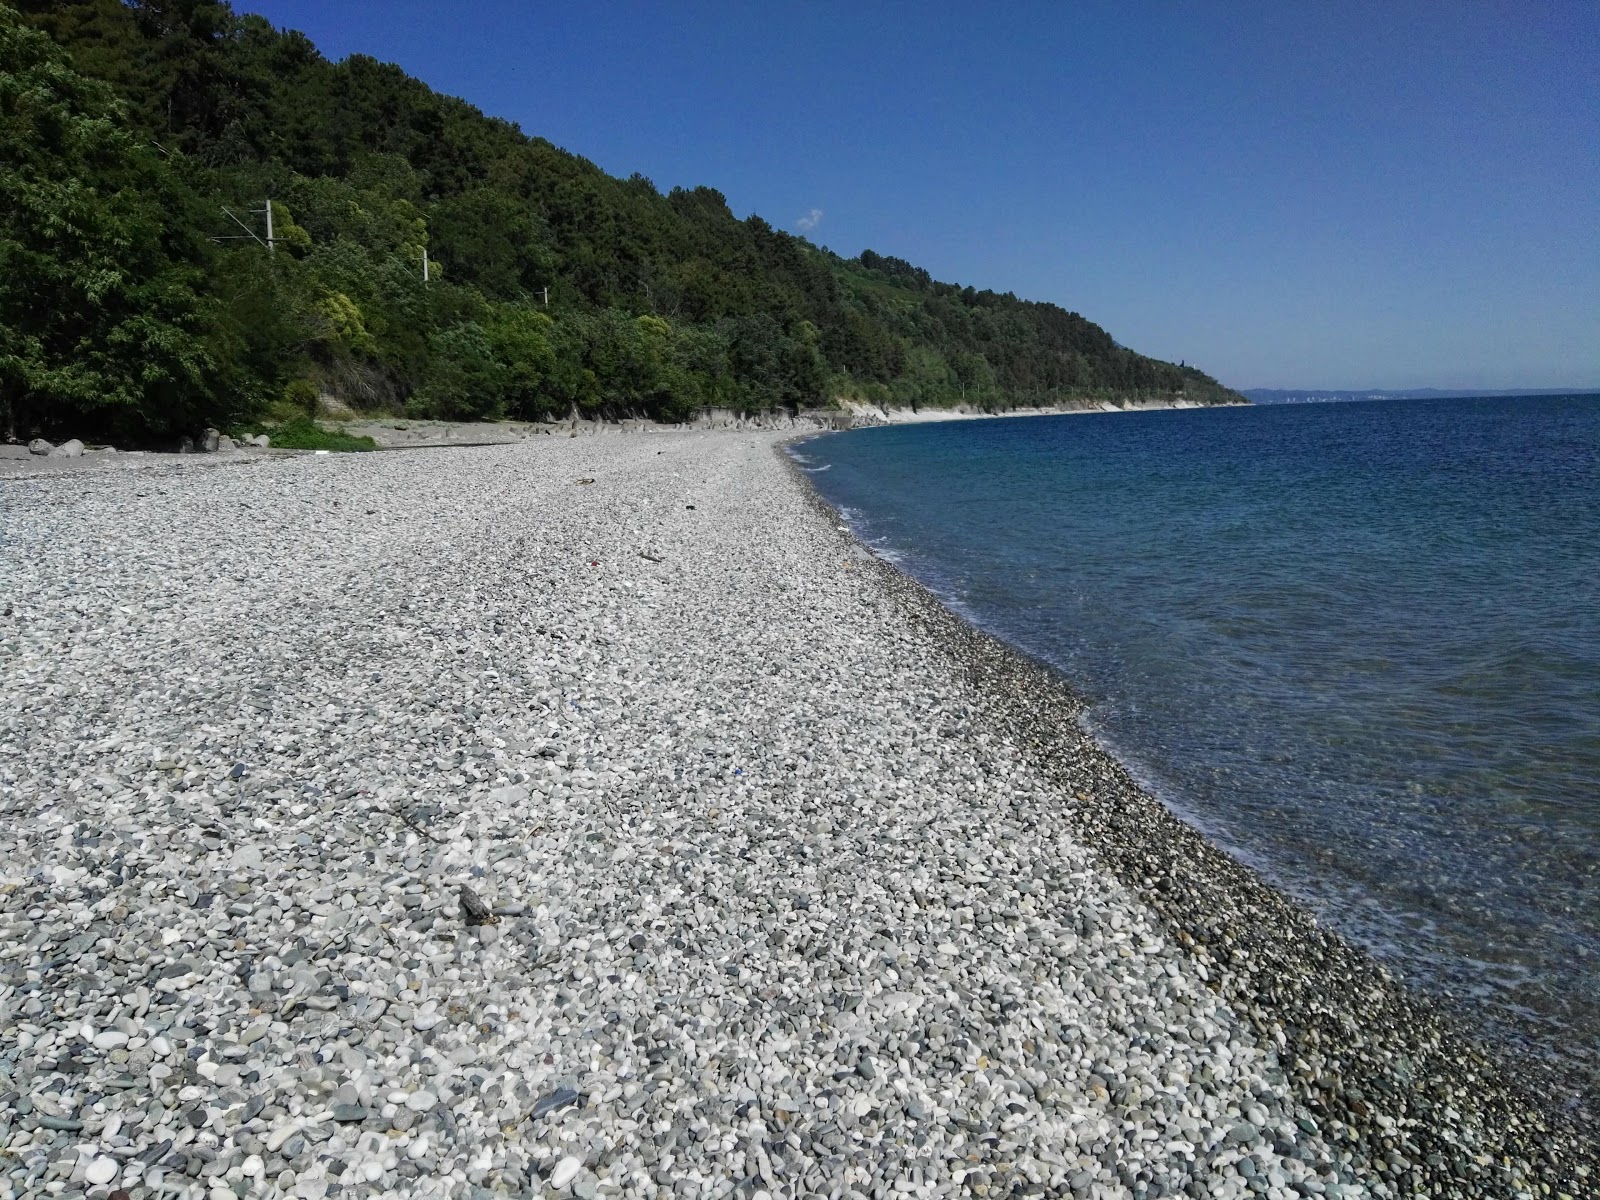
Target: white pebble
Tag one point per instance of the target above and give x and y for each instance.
(280, 1135)
(729, 801)
(101, 1170)
(566, 1171)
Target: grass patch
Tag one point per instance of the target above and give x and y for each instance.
(303, 433)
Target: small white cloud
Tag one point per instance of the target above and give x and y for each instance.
(809, 222)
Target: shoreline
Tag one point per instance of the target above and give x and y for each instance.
(403, 433)
(1307, 987)
(866, 415)
(786, 903)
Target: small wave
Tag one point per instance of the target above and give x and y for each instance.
(817, 470)
(1171, 797)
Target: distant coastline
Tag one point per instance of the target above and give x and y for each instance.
(872, 414)
(1334, 396)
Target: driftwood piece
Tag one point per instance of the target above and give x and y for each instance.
(478, 913)
(651, 557)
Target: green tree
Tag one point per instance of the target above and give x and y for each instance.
(520, 341)
(466, 381)
(285, 232)
(102, 327)
(493, 243)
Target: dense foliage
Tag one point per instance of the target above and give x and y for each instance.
(125, 128)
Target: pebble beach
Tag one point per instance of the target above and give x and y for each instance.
(593, 816)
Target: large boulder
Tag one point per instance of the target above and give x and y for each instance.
(261, 440)
(40, 446)
(72, 449)
(210, 441)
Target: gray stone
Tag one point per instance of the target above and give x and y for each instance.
(1243, 1132)
(550, 1102)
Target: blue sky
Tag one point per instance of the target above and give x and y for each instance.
(1356, 194)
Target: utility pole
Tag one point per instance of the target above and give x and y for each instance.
(547, 296)
(424, 266)
(248, 232)
(271, 248)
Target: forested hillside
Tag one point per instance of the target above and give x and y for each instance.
(126, 128)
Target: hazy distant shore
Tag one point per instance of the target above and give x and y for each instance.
(392, 433)
(804, 886)
(867, 414)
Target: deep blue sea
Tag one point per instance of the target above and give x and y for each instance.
(1356, 644)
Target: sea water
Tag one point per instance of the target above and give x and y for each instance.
(1358, 645)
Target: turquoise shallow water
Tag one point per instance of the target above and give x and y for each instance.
(1356, 644)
